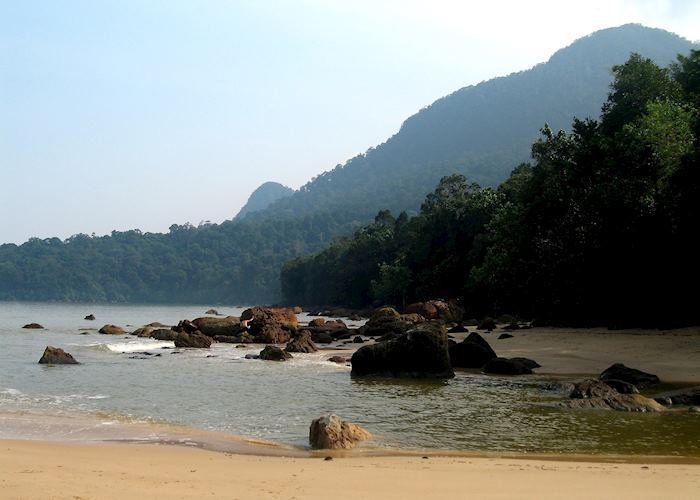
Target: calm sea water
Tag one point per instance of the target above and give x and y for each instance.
(217, 389)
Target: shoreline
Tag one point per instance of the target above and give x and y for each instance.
(40, 469)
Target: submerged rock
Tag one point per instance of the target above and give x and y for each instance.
(112, 330)
(503, 366)
(638, 378)
(90, 317)
(273, 353)
(301, 343)
(243, 338)
(330, 432)
(419, 353)
(56, 356)
(472, 352)
(33, 326)
(505, 336)
(596, 394)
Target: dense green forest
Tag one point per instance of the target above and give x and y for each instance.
(481, 131)
(266, 194)
(598, 229)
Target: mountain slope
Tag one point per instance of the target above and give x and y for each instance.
(266, 194)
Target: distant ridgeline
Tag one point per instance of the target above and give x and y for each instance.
(599, 229)
(480, 131)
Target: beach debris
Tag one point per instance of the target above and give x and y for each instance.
(301, 343)
(33, 326)
(422, 352)
(330, 432)
(112, 330)
(472, 352)
(274, 353)
(90, 317)
(504, 366)
(56, 356)
(638, 378)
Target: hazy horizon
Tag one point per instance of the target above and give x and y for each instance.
(128, 115)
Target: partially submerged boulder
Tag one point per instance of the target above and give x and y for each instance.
(330, 432)
(243, 338)
(472, 352)
(33, 326)
(338, 359)
(164, 334)
(596, 394)
(437, 309)
(638, 378)
(274, 353)
(193, 340)
(386, 321)
(229, 326)
(56, 356)
(144, 332)
(301, 343)
(112, 330)
(90, 317)
(621, 386)
(685, 397)
(419, 353)
(270, 326)
(503, 366)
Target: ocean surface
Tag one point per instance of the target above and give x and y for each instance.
(218, 389)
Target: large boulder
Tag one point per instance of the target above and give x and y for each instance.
(301, 343)
(270, 326)
(591, 388)
(273, 353)
(283, 316)
(164, 334)
(472, 352)
(144, 332)
(243, 338)
(195, 340)
(503, 366)
(596, 394)
(638, 378)
(330, 432)
(419, 353)
(229, 326)
(112, 330)
(56, 356)
(385, 322)
(437, 309)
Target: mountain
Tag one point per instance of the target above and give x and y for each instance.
(264, 196)
(482, 131)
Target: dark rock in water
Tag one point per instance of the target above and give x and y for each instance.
(386, 320)
(487, 324)
(156, 324)
(56, 356)
(193, 340)
(301, 343)
(358, 340)
(213, 311)
(419, 353)
(322, 337)
(273, 353)
(591, 388)
(458, 328)
(638, 378)
(338, 359)
(143, 332)
(33, 326)
(621, 386)
(228, 326)
(687, 396)
(597, 394)
(503, 366)
(317, 322)
(437, 309)
(90, 317)
(505, 336)
(512, 326)
(112, 330)
(252, 356)
(472, 352)
(530, 363)
(330, 432)
(164, 334)
(270, 326)
(243, 338)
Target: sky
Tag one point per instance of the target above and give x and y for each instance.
(135, 114)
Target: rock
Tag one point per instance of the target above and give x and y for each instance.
(273, 353)
(90, 317)
(687, 396)
(56, 356)
(591, 388)
(322, 337)
(144, 332)
(283, 316)
(338, 359)
(358, 340)
(270, 326)
(472, 352)
(638, 378)
(252, 356)
(458, 328)
(228, 326)
(243, 338)
(317, 322)
(618, 402)
(156, 324)
(193, 340)
(33, 326)
(383, 314)
(386, 321)
(505, 336)
(530, 363)
(419, 353)
(301, 343)
(621, 386)
(487, 324)
(694, 409)
(512, 326)
(503, 366)
(437, 309)
(213, 311)
(330, 432)
(297, 310)
(164, 334)
(112, 330)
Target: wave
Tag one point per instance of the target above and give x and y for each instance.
(123, 347)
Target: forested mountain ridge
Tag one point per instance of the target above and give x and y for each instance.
(481, 131)
(266, 194)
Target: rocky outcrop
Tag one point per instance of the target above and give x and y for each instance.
(164, 334)
(301, 343)
(437, 309)
(112, 330)
(229, 326)
(386, 321)
(596, 394)
(270, 326)
(685, 397)
(621, 386)
(638, 378)
(273, 353)
(419, 353)
(56, 356)
(330, 432)
(193, 340)
(472, 352)
(243, 338)
(33, 326)
(503, 366)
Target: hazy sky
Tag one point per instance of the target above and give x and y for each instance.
(139, 114)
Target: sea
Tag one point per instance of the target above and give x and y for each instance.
(133, 388)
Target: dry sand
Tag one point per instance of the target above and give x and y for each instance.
(30, 469)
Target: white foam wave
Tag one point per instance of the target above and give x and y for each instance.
(132, 346)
